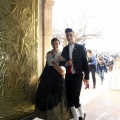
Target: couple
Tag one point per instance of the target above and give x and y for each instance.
(54, 101)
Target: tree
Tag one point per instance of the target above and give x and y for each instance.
(81, 31)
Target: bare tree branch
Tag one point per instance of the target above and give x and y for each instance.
(81, 33)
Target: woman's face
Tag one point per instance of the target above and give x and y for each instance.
(55, 45)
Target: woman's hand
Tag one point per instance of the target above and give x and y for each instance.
(63, 74)
(60, 58)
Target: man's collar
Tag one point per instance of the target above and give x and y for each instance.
(71, 45)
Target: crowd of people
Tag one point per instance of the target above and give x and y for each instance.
(58, 92)
(99, 64)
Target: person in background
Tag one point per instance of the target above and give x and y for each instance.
(101, 68)
(115, 75)
(92, 67)
(110, 63)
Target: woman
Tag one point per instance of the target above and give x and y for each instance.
(101, 68)
(50, 97)
(115, 75)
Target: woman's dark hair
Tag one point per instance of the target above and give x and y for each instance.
(55, 39)
(100, 59)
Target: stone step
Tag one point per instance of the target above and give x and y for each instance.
(31, 117)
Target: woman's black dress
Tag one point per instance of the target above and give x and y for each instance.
(50, 96)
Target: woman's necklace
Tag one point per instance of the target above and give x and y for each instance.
(54, 53)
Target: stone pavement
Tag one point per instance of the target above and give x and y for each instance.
(100, 103)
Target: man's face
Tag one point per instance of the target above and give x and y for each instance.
(70, 36)
(89, 54)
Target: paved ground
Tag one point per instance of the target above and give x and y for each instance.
(100, 103)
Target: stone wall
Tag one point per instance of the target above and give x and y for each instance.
(18, 58)
(25, 35)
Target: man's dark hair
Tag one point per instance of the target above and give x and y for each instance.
(55, 39)
(89, 51)
(68, 30)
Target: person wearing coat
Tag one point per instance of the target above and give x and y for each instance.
(77, 70)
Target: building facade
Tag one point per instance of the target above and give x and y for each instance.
(25, 35)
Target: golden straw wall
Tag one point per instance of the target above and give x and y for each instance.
(18, 58)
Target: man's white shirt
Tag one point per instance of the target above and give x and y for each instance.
(71, 47)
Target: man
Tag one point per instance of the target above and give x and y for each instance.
(76, 63)
(92, 67)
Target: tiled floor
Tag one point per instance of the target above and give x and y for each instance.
(100, 103)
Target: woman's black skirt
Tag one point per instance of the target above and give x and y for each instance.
(49, 91)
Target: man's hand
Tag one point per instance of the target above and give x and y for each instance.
(86, 82)
(69, 62)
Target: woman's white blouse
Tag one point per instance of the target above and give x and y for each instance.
(51, 58)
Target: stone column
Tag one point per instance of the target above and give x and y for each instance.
(40, 38)
(47, 28)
